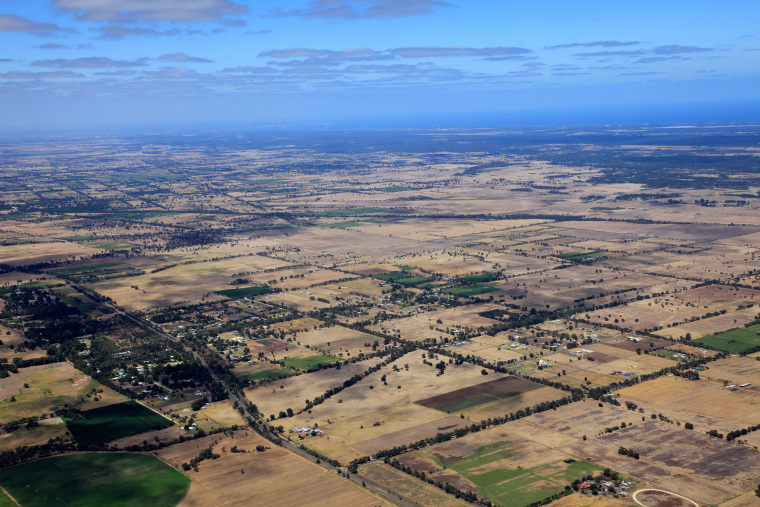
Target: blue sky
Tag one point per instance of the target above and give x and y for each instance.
(78, 63)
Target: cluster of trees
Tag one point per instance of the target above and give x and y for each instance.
(205, 454)
(628, 452)
(740, 433)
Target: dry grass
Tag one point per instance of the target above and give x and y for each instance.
(273, 477)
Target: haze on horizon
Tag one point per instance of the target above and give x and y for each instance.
(92, 63)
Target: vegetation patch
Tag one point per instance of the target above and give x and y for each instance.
(112, 422)
(274, 373)
(483, 277)
(95, 479)
(403, 278)
(472, 290)
(586, 257)
(309, 362)
(244, 292)
(735, 341)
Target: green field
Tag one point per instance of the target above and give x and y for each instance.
(104, 424)
(483, 277)
(507, 486)
(5, 500)
(736, 341)
(403, 278)
(84, 269)
(96, 480)
(583, 257)
(244, 292)
(275, 373)
(309, 362)
(472, 290)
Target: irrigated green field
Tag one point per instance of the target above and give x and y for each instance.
(472, 290)
(95, 479)
(736, 341)
(309, 362)
(111, 422)
(275, 373)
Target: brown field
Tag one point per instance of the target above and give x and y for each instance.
(674, 308)
(219, 414)
(659, 498)
(589, 500)
(701, 403)
(165, 435)
(495, 389)
(409, 435)
(687, 462)
(561, 288)
(11, 386)
(292, 392)
(351, 416)
(184, 283)
(712, 325)
(16, 277)
(305, 323)
(272, 477)
(32, 253)
(417, 327)
(412, 490)
(337, 340)
(34, 436)
(50, 387)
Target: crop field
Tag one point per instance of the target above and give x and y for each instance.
(272, 477)
(736, 341)
(95, 479)
(308, 362)
(468, 397)
(501, 467)
(473, 290)
(52, 386)
(115, 421)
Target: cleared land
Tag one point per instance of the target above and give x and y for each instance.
(272, 477)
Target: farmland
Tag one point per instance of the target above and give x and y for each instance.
(115, 421)
(117, 479)
(445, 315)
